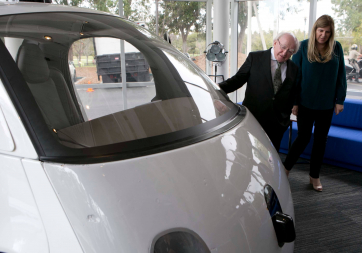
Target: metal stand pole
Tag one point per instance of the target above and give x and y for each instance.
(157, 17)
(215, 72)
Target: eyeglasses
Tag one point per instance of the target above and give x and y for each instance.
(283, 47)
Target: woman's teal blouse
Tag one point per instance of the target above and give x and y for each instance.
(320, 85)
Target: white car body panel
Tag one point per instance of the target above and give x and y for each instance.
(21, 230)
(121, 206)
(6, 141)
(23, 145)
(60, 234)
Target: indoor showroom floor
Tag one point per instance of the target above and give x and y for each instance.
(328, 221)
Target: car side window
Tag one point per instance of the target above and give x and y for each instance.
(96, 69)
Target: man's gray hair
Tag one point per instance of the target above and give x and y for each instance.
(296, 42)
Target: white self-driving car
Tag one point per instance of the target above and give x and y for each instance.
(143, 154)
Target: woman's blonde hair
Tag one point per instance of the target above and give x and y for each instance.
(313, 54)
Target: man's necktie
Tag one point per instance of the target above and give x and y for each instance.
(277, 82)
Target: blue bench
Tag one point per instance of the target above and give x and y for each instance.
(344, 145)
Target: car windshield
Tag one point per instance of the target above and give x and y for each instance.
(100, 80)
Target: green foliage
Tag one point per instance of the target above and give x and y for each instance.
(139, 10)
(291, 6)
(182, 18)
(243, 23)
(191, 43)
(101, 5)
(69, 2)
(176, 41)
(196, 43)
(127, 9)
(346, 42)
(256, 43)
(348, 13)
(357, 34)
(301, 35)
(243, 14)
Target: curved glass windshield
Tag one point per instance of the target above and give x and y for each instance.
(101, 80)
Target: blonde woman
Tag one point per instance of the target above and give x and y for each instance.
(322, 89)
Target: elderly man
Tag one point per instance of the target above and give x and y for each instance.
(270, 92)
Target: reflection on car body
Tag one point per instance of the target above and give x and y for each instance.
(169, 163)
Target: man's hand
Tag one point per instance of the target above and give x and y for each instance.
(220, 106)
(338, 108)
(295, 110)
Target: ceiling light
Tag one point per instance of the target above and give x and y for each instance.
(46, 37)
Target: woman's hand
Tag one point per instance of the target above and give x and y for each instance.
(295, 110)
(338, 108)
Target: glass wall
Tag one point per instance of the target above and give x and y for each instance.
(293, 16)
(257, 25)
(242, 26)
(185, 24)
(348, 25)
(268, 18)
(260, 21)
(262, 16)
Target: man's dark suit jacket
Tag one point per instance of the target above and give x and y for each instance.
(267, 107)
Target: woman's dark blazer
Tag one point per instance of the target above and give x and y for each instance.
(260, 99)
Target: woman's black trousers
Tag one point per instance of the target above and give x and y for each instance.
(321, 119)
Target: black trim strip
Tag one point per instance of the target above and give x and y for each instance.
(17, 88)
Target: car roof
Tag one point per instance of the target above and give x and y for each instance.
(8, 8)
